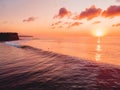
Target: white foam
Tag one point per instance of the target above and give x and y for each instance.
(14, 43)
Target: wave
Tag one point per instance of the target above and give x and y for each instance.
(51, 54)
(46, 70)
(15, 44)
(18, 45)
(47, 54)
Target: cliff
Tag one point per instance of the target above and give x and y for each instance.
(8, 36)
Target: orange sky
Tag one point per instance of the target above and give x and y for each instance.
(60, 18)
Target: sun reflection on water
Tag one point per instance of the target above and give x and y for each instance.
(98, 50)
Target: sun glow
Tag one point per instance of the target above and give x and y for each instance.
(98, 33)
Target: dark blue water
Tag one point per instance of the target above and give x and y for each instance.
(28, 68)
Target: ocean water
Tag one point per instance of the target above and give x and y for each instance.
(60, 64)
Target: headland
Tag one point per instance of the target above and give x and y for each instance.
(8, 36)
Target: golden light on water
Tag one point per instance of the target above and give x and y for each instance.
(98, 52)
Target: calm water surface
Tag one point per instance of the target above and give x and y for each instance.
(104, 49)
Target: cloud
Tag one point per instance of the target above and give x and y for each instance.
(67, 23)
(117, 0)
(89, 13)
(75, 24)
(53, 27)
(112, 11)
(96, 22)
(57, 23)
(5, 22)
(62, 13)
(60, 26)
(30, 19)
(116, 25)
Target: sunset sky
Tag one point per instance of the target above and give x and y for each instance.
(59, 18)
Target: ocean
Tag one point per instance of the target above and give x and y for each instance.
(84, 63)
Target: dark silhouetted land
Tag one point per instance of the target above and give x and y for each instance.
(8, 36)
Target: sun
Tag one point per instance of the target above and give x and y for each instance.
(99, 33)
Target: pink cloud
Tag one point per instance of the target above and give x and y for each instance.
(75, 24)
(53, 27)
(96, 22)
(117, 0)
(112, 11)
(57, 23)
(68, 23)
(60, 26)
(62, 13)
(116, 25)
(89, 13)
(5, 22)
(30, 19)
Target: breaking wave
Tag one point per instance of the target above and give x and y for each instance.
(30, 68)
